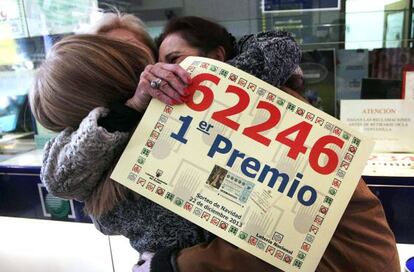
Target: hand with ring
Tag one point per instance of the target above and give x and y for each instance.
(156, 83)
(166, 82)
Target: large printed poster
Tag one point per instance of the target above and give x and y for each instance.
(12, 20)
(57, 17)
(29, 18)
(249, 163)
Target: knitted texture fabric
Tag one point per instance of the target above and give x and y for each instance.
(272, 56)
(150, 227)
(76, 161)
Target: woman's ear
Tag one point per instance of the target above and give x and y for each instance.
(218, 54)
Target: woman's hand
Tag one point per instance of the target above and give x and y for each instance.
(171, 89)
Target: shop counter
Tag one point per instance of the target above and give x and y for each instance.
(23, 194)
(397, 197)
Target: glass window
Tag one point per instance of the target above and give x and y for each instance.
(350, 47)
(28, 28)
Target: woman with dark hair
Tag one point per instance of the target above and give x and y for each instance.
(204, 36)
(272, 56)
(363, 240)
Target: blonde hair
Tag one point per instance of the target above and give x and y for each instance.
(117, 20)
(80, 73)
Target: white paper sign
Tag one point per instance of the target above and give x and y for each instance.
(389, 122)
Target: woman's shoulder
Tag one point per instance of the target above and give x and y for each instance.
(75, 160)
(363, 238)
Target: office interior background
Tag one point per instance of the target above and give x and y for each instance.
(352, 49)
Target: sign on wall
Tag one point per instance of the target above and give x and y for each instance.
(275, 6)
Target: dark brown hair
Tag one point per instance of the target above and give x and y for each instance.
(200, 33)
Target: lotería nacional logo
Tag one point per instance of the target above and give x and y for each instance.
(158, 173)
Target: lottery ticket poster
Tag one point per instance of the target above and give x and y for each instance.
(249, 163)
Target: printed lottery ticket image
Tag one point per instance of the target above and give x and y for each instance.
(230, 185)
(216, 177)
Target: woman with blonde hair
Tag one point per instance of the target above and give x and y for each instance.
(80, 90)
(125, 27)
(129, 28)
(80, 75)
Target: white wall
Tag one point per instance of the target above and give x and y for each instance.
(51, 246)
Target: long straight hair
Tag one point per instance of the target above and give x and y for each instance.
(80, 73)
